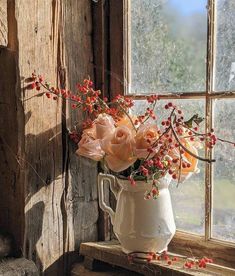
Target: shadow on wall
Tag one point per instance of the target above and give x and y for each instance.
(65, 186)
(53, 202)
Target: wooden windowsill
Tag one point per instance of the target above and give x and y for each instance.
(110, 252)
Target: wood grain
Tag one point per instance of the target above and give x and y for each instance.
(11, 141)
(48, 195)
(116, 48)
(110, 252)
(194, 245)
(3, 23)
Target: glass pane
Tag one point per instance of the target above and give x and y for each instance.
(224, 74)
(188, 198)
(224, 173)
(168, 46)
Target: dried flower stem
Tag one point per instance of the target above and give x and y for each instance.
(185, 149)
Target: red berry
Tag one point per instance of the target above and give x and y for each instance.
(149, 259)
(33, 85)
(154, 256)
(210, 261)
(48, 95)
(170, 171)
(169, 262)
(155, 192)
(148, 196)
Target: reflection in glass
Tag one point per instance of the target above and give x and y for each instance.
(168, 45)
(224, 74)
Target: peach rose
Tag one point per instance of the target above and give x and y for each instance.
(119, 148)
(190, 159)
(101, 127)
(145, 138)
(125, 121)
(186, 157)
(90, 148)
(104, 125)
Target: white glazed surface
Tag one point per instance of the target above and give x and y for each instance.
(143, 225)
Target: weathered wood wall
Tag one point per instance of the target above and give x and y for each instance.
(48, 196)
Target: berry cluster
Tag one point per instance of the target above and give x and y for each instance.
(167, 259)
(86, 98)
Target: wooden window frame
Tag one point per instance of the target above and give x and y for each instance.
(111, 55)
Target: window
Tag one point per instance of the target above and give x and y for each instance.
(184, 51)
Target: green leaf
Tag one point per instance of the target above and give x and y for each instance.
(195, 119)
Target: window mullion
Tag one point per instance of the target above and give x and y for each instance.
(209, 119)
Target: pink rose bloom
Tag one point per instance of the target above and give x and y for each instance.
(104, 125)
(119, 148)
(144, 139)
(90, 148)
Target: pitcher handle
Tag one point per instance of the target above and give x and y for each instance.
(114, 188)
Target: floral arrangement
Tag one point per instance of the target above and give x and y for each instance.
(136, 147)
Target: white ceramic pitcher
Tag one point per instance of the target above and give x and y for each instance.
(140, 225)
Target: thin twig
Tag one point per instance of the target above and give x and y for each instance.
(180, 163)
(204, 134)
(187, 150)
(126, 113)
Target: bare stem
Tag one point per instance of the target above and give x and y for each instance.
(146, 119)
(59, 96)
(180, 163)
(127, 114)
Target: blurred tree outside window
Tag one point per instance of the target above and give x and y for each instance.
(169, 55)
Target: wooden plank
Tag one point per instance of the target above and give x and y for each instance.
(3, 23)
(100, 42)
(55, 191)
(110, 252)
(36, 34)
(116, 48)
(80, 193)
(102, 270)
(188, 244)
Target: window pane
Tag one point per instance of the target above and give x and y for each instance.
(224, 173)
(168, 46)
(188, 198)
(224, 75)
